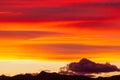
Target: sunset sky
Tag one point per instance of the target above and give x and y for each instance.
(48, 34)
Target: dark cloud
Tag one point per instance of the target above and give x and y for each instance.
(87, 66)
(27, 34)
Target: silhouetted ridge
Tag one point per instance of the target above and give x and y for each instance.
(54, 76)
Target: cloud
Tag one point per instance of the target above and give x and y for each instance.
(69, 49)
(49, 3)
(27, 34)
(95, 25)
(75, 11)
(86, 66)
(9, 13)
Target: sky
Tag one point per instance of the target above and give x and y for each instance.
(50, 32)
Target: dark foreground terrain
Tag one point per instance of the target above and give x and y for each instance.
(54, 76)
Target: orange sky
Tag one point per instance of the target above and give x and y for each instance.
(50, 30)
(61, 40)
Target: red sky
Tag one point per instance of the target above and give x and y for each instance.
(66, 30)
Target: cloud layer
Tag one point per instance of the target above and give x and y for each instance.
(57, 11)
(27, 34)
(67, 52)
(72, 48)
(83, 20)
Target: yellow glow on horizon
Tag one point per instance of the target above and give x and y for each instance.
(28, 66)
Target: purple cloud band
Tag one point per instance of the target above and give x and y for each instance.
(27, 34)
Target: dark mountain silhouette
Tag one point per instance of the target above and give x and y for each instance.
(54, 76)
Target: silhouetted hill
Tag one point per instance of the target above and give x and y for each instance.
(54, 76)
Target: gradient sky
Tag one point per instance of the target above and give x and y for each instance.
(55, 32)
